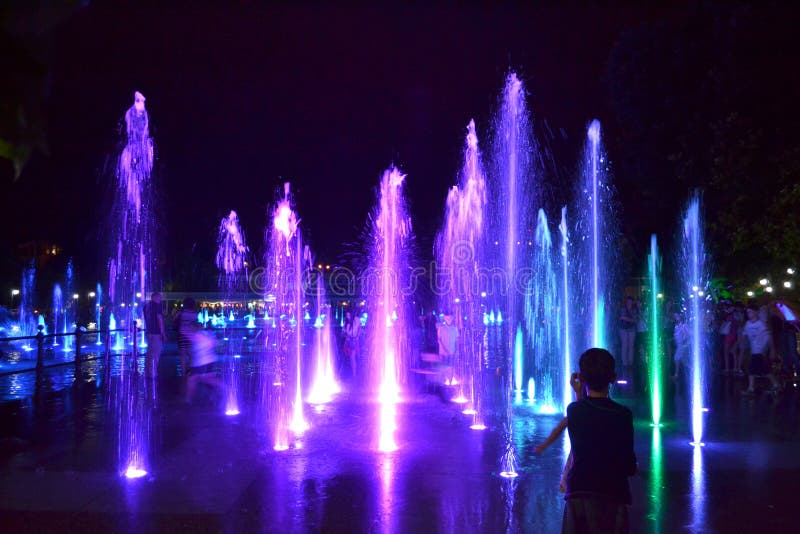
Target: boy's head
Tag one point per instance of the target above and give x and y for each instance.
(597, 369)
(752, 312)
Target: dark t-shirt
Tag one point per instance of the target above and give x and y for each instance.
(152, 312)
(601, 436)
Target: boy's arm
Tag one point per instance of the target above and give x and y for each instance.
(557, 431)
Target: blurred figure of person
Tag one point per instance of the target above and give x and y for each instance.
(447, 337)
(352, 335)
(680, 335)
(203, 358)
(183, 323)
(628, 323)
(730, 338)
(760, 341)
(785, 336)
(155, 332)
(740, 317)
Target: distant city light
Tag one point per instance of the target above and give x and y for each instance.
(138, 295)
(768, 289)
(660, 296)
(14, 292)
(750, 294)
(763, 281)
(75, 296)
(787, 284)
(92, 294)
(789, 271)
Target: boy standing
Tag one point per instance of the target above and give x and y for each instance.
(601, 434)
(757, 333)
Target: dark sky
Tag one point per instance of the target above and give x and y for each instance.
(242, 99)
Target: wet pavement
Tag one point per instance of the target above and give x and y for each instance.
(212, 473)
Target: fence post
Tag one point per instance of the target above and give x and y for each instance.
(77, 352)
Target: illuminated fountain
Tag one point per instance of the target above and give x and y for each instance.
(130, 274)
(460, 259)
(26, 317)
(324, 385)
(655, 349)
(98, 310)
(387, 329)
(68, 309)
(596, 234)
(510, 205)
(281, 386)
(58, 310)
(693, 277)
(543, 324)
(566, 330)
(231, 262)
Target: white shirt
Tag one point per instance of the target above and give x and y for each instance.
(203, 349)
(448, 335)
(758, 334)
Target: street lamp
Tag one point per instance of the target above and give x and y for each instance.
(75, 296)
(14, 293)
(92, 294)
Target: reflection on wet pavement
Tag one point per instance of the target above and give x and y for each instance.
(209, 472)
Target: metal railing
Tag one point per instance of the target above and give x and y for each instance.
(78, 334)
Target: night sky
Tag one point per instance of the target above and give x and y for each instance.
(242, 99)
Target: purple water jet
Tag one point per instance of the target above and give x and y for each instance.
(231, 262)
(387, 329)
(281, 386)
(460, 259)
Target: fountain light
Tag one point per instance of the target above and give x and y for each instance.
(138, 295)
(478, 426)
(232, 411)
(134, 472)
(660, 296)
